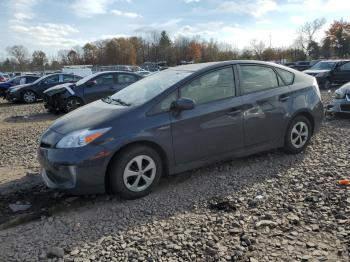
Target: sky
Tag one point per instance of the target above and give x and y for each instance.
(51, 25)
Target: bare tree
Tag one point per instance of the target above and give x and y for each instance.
(20, 53)
(258, 48)
(306, 33)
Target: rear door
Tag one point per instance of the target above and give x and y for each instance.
(99, 87)
(265, 101)
(214, 126)
(341, 74)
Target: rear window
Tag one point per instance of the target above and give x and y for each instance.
(287, 76)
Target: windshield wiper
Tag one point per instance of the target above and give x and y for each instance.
(123, 103)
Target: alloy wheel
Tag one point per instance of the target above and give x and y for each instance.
(299, 134)
(139, 173)
(29, 97)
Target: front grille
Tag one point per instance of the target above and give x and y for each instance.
(345, 108)
(312, 74)
(45, 145)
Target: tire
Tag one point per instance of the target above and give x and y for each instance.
(298, 135)
(72, 103)
(29, 96)
(125, 178)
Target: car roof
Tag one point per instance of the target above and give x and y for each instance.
(111, 71)
(197, 67)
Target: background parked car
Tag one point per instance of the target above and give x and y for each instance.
(18, 80)
(68, 97)
(301, 65)
(341, 101)
(2, 78)
(179, 119)
(329, 72)
(30, 93)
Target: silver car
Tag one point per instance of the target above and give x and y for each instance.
(341, 101)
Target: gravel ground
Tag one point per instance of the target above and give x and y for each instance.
(267, 207)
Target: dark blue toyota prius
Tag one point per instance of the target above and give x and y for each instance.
(179, 119)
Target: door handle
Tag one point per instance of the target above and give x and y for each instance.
(234, 111)
(283, 98)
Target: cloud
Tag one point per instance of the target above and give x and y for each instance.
(191, 1)
(47, 34)
(256, 8)
(22, 9)
(88, 8)
(125, 14)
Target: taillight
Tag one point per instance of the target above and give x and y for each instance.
(317, 89)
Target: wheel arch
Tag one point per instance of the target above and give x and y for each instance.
(308, 115)
(31, 90)
(163, 155)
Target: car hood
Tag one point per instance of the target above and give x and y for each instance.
(345, 89)
(95, 115)
(20, 86)
(58, 89)
(316, 71)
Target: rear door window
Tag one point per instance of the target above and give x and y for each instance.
(345, 67)
(287, 76)
(255, 78)
(68, 78)
(104, 79)
(126, 78)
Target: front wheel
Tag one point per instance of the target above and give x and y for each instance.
(135, 172)
(72, 103)
(29, 97)
(298, 135)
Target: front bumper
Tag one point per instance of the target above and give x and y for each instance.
(75, 170)
(53, 102)
(339, 106)
(13, 96)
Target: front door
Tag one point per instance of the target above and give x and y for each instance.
(99, 87)
(265, 103)
(214, 126)
(48, 82)
(341, 74)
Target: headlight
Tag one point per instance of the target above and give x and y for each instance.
(323, 74)
(81, 137)
(14, 90)
(338, 94)
(317, 89)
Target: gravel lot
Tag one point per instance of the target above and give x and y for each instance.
(267, 207)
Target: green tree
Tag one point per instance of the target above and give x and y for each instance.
(38, 60)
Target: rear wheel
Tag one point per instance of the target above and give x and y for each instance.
(29, 96)
(72, 103)
(298, 135)
(135, 172)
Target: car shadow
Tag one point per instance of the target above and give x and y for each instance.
(38, 117)
(175, 194)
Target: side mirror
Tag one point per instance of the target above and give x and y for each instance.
(90, 83)
(182, 104)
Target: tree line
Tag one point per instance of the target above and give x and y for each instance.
(158, 46)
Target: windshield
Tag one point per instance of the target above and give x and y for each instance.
(39, 79)
(144, 90)
(323, 66)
